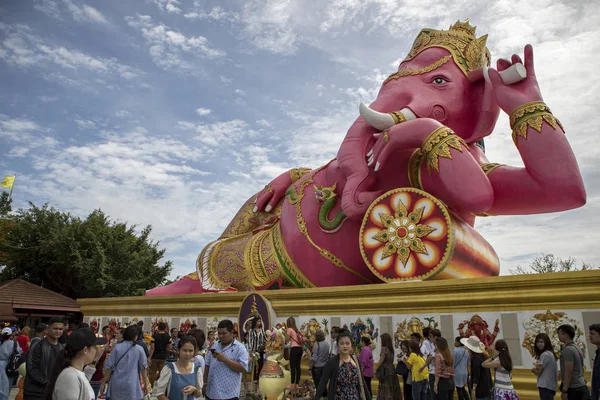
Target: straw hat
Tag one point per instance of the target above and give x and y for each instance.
(473, 343)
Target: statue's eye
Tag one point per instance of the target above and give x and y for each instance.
(438, 80)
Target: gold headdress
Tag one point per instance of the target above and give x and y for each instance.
(469, 53)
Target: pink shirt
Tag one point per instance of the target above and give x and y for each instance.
(293, 337)
(366, 361)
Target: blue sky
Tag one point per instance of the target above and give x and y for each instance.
(172, 113)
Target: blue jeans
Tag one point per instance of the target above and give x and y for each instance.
(96, 390)
(419, 390)
(432, 394)
(546, 394)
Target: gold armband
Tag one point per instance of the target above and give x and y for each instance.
(489, 167)
(531, 115)
(298, 173)
(437, 145)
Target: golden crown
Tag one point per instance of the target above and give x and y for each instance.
(468, 52)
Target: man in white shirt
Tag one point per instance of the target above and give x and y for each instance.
(428, 350)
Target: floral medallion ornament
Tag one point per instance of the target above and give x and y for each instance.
(548, 323)
(406, 234)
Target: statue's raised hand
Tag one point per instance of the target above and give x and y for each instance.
(512, 96)
(272, 193)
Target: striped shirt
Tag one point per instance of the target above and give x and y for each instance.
(502, 379)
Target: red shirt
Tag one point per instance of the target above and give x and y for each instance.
(24, 342)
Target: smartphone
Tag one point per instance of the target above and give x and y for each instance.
(213, 351)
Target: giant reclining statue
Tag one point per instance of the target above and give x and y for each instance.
(400, 199)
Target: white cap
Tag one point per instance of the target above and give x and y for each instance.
(7, 331)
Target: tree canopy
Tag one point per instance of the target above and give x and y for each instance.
(546, 263)
(91, 257)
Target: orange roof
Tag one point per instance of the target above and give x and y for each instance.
(22, 294)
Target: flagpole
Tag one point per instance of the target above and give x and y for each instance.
(11, 188)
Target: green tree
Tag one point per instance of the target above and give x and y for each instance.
(94, 257)
(546, 263)
(5, 204)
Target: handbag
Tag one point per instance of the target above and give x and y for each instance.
(110, 371)
(15, 361)
(380, 373)
(401, 369)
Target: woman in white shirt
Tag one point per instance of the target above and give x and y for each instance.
(71, 379)
(181, 378)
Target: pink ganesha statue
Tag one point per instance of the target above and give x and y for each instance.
(399, 201)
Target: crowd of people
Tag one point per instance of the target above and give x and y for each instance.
(126, 364)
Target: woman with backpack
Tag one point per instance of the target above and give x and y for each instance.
(296, 339)
(7, 348)
(182, 377)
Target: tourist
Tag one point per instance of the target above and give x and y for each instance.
(342, 375)
(335, 331)
(68, 380)
(417, 364)
(428, 350)
(125, 364)
(7, 347)
(462, 361)
(256, 342)
(320, 355)
(481, 377)
(98, 376)
(175, 339)
(366, 362)
(404, 371)
(200, 337)
(389, 387)
(573, 385)
(502, 364)
(159, 348)
(182, 377)
(444, 370)
(594, 337)
(211, 339)
(24, 340)
(545, 368)
(226, 361)
(293, 337)
(41, 330)
(41, 359)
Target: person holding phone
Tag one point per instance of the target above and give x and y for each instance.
(226, 361)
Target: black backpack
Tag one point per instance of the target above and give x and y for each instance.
(15, 361)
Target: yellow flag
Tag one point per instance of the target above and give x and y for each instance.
(8, 182)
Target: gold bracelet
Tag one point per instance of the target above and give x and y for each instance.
(531, 115)
(438, 144)
(297, 173)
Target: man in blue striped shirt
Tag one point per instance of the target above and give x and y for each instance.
(225, 363)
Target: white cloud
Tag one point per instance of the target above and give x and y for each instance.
(216, 13)
(168, 5)
(48, 99)
(22, 47)
(18, 125)
(122, 113)
(85, 124)
(171, 50)
(263, 123)
(203, 111)
(49, 7)
(80, 13)
(85, 13)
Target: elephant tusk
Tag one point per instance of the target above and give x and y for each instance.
(383, 121)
